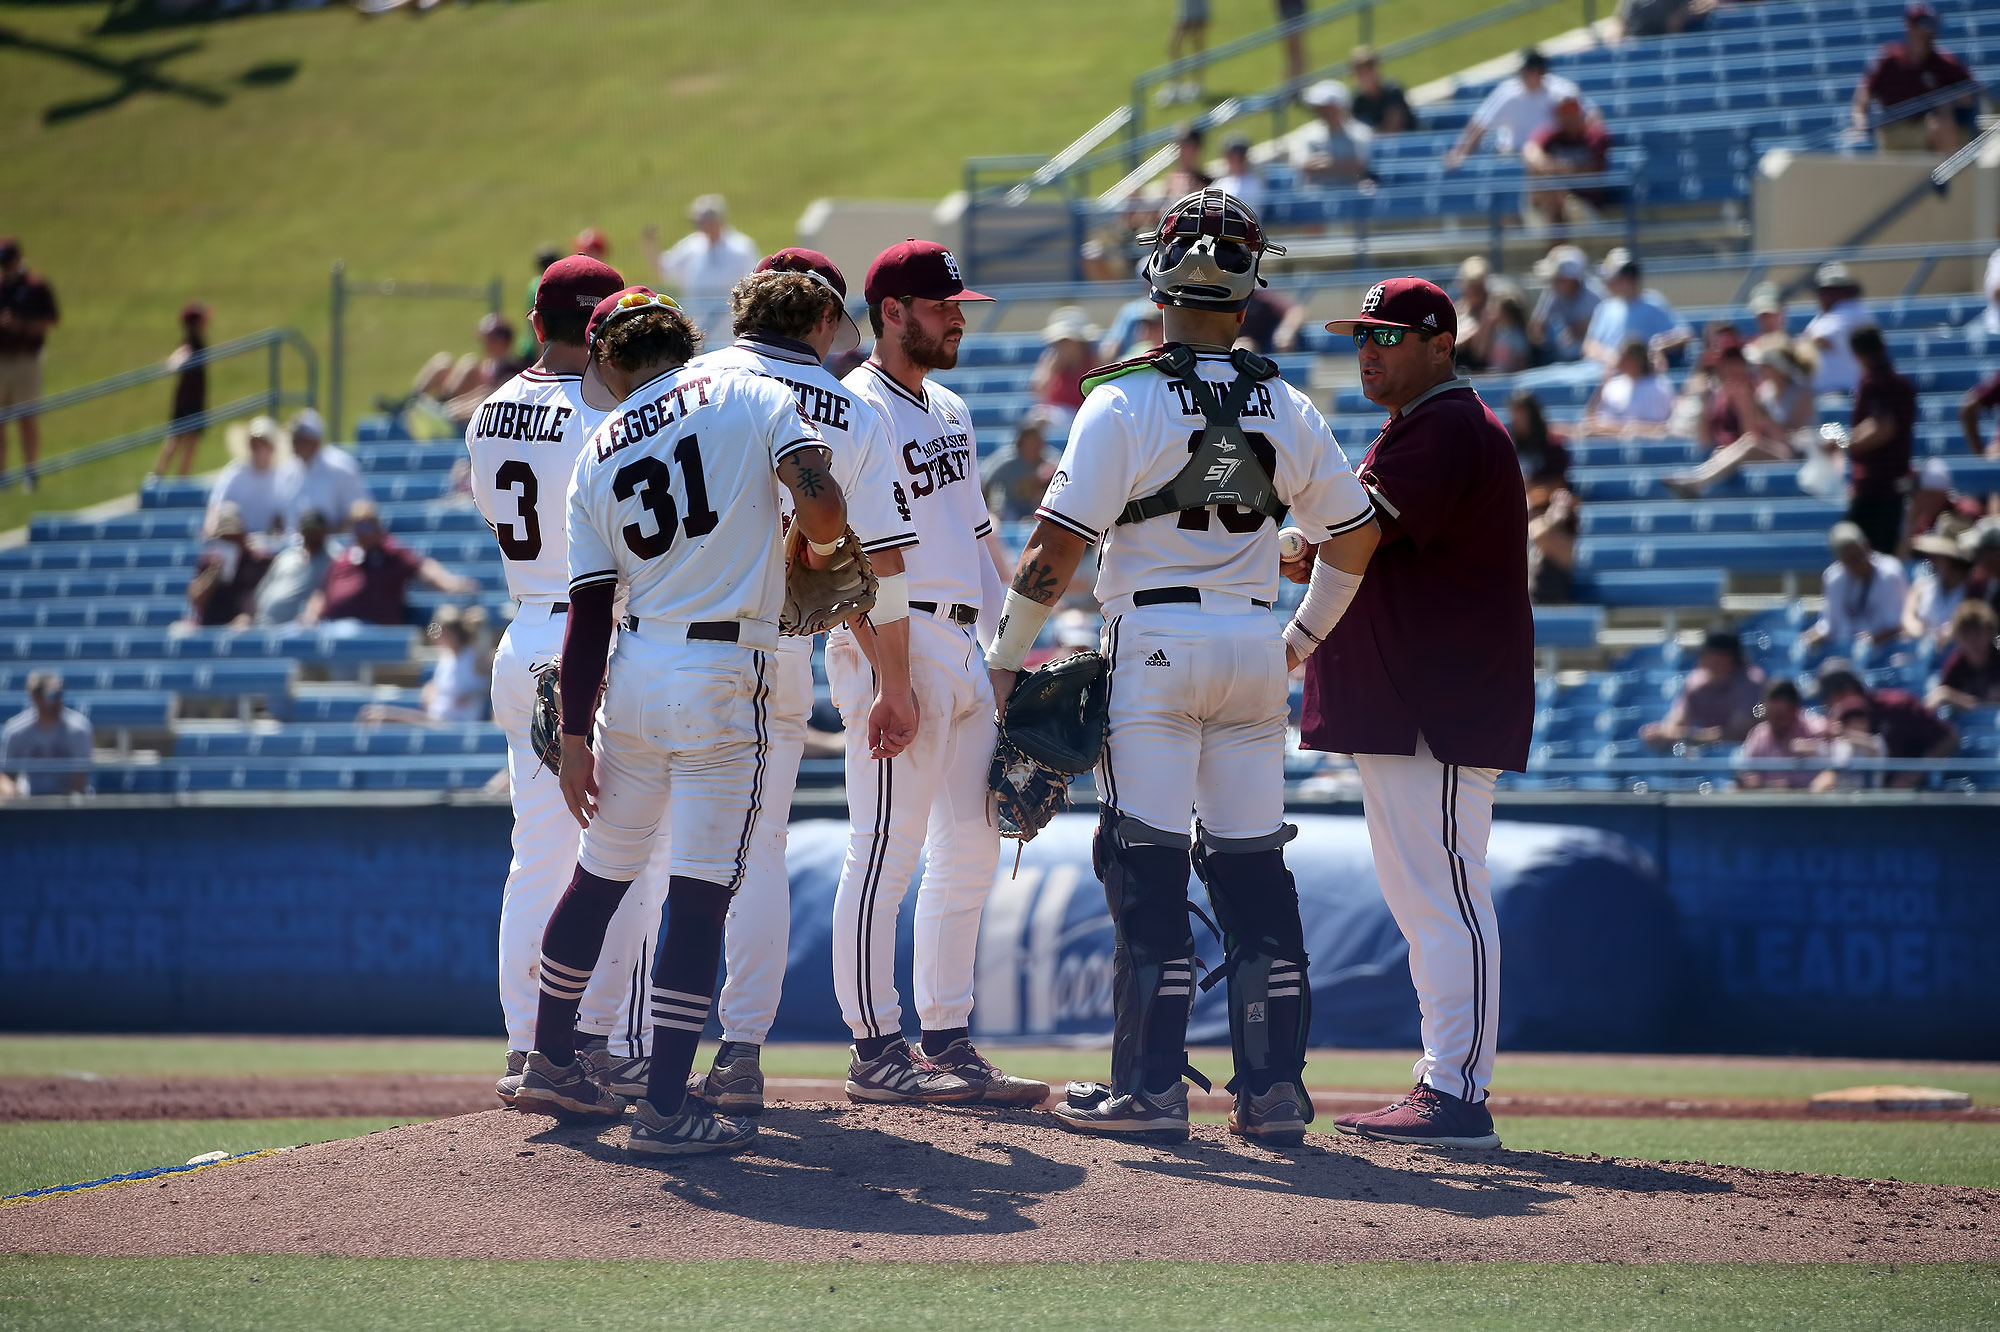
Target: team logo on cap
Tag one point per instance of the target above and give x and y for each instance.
(951, 266)
(1373, 299)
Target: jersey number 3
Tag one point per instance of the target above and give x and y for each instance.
(522, 541)
(648, 478)
(1234, 517)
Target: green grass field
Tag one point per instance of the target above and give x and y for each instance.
(307, 1292)
(236, 161)
(38, 1155)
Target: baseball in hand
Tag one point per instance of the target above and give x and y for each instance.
(1291, 544)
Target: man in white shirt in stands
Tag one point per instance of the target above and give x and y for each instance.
(1334, 149)
(1864, 592)
(251, 482)
(1515, 109)
(1242, 178)
(1634, 399)
(319, 476)
(705, 264)
(1841, 311)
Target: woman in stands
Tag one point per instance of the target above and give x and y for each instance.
(190, 395)
(1751, 421)
(459, 688)
(1542, 453)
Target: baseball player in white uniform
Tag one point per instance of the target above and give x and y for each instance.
(675, 499)
(788, 316)
(934, 793)
(1182, 464)
(524, 443)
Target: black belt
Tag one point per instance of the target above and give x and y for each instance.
(960, 612)
(706, 631)
(1167, 596)
(559, 608)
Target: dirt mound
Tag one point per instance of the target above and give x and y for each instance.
(835, 1181)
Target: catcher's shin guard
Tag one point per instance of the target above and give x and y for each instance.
(1270, 1003)
(1152, 966)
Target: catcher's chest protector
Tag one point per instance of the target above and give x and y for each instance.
(1223, 469)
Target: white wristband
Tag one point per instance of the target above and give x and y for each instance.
(1327, 598)
(892, 600)
(1021, 621)
(827, 549)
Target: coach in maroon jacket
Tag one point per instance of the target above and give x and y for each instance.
(1429, 682)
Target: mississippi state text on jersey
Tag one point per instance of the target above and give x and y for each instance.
(524, 442)
(934, 458)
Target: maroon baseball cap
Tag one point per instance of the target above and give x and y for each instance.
(917, 268)
(1921, 13)
(1404, 302)
(576, 283)
(616, 306)
(798, 259)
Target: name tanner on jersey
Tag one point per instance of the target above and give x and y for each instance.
(1258, 405)
(533, 423)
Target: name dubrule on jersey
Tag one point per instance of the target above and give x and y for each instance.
(676, 496)
(524, 443)
(1134, 435)
(933, 447)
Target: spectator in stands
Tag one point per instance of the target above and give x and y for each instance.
(1630, 312)
(1190, 35)
(1970, 677)
(223, 590)
(1939, 589)
(1841, 311)
(1189, 172)
(1271, 323)
(703, 265)
(1661, 18)
(593, 242)
(1989, 318)
(368, 581)
(1137, 327)
(251, 481)
(1334, 149)
(460, 687)
(1571, 144)
(1912, 70)
(319, 476)
(1978, 400)
(1507, 347)
(1864, 591)
(1379, 103)
(1514, 110)
(1767, 307)
(1552, 533)
(1563, 313)
(1634, 400)
(49, 732)
(1751, 423)
(1069, 346)
(1786, 731)
(1896, 719)
(27, 313)
(190, 399)
(1014, 480)
(1290, 11)
(1474, 309)
(296, 573)
(1240, 175)
(526, 350)
(1718, 700)
(457, 386)
(1982, 547)
(1542, 453)
(1880, 441)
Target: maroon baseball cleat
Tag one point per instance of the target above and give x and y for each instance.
(1427, 1117)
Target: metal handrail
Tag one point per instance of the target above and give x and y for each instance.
(343, 286)
(275, 397)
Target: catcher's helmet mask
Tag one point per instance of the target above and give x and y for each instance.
(1205, 253)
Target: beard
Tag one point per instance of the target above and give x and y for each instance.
(929, 352)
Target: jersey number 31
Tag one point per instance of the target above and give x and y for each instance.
(648, 478)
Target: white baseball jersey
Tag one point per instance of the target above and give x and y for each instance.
(524, 444)
(676, 497)
(936, 463)
(1134, 435)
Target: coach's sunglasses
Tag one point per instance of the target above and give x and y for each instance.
(1384, 337)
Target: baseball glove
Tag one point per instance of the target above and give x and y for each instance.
(545, 726)
(1053, 729)
(817, 600)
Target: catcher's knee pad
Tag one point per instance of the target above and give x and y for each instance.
(1256, 903)
(1145, 877)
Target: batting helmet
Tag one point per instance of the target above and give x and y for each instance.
(1205, 252)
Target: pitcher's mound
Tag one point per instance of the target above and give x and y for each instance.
(835, 1181)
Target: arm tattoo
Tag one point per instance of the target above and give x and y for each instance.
(1037, 582)
(808, 481)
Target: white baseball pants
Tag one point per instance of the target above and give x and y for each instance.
(1429, 823)
(545, 844)
(1197, 704)
(758, 934)
(933, 795)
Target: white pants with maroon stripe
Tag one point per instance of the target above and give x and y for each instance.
(1428, 823)
(758, 936)
(545, 839)
(933, 795)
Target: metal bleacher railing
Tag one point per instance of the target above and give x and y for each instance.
(343, 289)
(271, 342)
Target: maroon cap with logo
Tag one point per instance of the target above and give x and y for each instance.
(596, 393)
(576, 283)
(1404, 302)
(916, 268)
(798, 259)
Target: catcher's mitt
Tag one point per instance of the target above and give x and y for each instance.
(1052, 730)
(817, 600)
(545, 726)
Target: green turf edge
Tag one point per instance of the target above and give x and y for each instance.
(38, 1155)
(259, 1292)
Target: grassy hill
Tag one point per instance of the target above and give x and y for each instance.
(236, 161)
